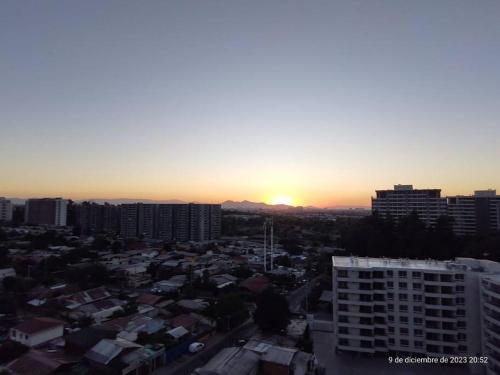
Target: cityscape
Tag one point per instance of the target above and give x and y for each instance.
(249, 188)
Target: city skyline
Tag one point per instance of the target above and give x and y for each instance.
(312, 104)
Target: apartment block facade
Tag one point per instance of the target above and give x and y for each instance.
(46, 211)
(171, 222)
(475, 214)
(404, 200)
(419, 307)
(95, 218)
(5, 209)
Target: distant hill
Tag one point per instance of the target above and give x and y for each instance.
(256, 206)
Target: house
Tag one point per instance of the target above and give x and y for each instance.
(81, 341)
(135, 274)
(98, 310)
(188, 321)
(171, 285)
(128, 327)
(193, 304)
(148, 299)
(37, 331)
(122, 357)
(224, 280)
(259, 358)
(178, 332)
(75, 300)
(36, 362)
(255, 284)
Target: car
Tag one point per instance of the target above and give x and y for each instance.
(195, 347)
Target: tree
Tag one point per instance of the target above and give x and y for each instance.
(272, 313)
(283, 260)
(305, 343)
(228, 310)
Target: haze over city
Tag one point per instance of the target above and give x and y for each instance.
(284, 102)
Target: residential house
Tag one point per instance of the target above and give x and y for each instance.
(37, 331)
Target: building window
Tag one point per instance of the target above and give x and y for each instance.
(418, 344)
(460, 301)
(417, 309)
(403, 296)
(416, 275)
(403, 285)
(389, 273)
(403, 331)
(418, 332)
(417, 298)
(417, 286)
(403, 308)
(390, 284)
(404, 342)
(342, 273)
(402, 274)
(403, 319)
(391, 341)
(390, 318)
(459, 277)
(418, 321)
(460, 288)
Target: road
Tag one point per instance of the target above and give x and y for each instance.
(221, 341)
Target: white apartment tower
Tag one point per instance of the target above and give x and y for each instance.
(419, 307)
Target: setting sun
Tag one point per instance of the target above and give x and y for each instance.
(282, 199)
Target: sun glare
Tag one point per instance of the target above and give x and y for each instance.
(282, 199)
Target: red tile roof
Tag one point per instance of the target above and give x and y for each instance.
(38, 325)
(184, 320)
(36, 362)
(148, 299)
(255, 284)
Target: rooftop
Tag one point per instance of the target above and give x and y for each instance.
(426, 264)
(36, 325)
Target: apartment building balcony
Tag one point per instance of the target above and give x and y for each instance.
(491, 298)
(492, 288)
(493, 314)
(492, 329)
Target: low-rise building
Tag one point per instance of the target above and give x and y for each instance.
(37, 331)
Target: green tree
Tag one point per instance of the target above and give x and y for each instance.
(272, 314)
(228, 311)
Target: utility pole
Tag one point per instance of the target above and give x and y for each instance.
(265, 245)
(272, 244)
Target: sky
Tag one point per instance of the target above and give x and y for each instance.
(316, 102)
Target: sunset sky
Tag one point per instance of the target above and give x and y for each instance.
(316, 102)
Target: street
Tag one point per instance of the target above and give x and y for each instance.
(187, 364)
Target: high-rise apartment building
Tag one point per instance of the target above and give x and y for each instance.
(46, 211)
(5, 209)
(404, 200)
(171, 222)
(95, 218)
(418, 307)
(475, 214)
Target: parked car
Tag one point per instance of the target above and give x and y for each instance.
(195, 347)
